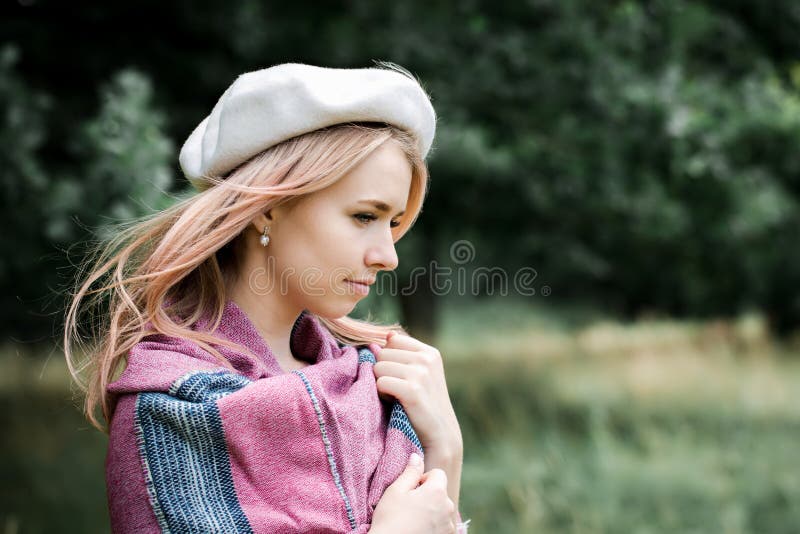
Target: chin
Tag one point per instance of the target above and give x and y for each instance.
(332, 310)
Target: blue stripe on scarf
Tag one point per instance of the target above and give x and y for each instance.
(365, 355)
(399, 420)
(399, 417)
(182, 446)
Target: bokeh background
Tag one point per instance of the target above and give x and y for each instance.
(638, 160)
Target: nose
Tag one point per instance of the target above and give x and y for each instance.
(382, 255)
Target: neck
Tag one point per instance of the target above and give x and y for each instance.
(272, 316)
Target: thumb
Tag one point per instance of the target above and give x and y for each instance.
(390, 335)
(409, 478)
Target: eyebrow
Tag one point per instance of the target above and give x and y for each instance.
(380, 205)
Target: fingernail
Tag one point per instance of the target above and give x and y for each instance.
(415, 459)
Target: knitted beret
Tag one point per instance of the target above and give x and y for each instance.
(264, 107)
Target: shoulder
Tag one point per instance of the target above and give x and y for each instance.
(161, 363)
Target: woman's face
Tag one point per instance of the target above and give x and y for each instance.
(328, 238)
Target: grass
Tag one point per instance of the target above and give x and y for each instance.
(572, 423)
(596, 426)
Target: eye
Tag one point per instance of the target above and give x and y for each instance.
(365, 218)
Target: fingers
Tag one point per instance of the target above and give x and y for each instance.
(436, 478)
(410, 477)
(395, 369)
(406, 349)
(398, 355)
(400, 341)
(396, 387)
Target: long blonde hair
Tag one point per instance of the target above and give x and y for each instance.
(162, 272)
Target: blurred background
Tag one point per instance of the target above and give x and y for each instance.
(629, 169)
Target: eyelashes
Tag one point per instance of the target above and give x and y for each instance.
(366, 218)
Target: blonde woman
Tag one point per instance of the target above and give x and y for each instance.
(237, 394)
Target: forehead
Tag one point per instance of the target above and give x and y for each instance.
(385, 175)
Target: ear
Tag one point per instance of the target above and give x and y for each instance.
(272, 215)
(261, 220)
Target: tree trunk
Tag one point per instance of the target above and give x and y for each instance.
(420, 314)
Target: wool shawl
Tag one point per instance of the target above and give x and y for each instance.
(194, 447)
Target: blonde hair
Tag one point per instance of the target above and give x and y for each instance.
(162, 272)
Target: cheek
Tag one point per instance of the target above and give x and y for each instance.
(316, 265)
(332, 241)
(319, 226)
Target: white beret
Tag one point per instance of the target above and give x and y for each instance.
(264, 107)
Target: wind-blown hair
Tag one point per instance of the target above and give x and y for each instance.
(162, 272)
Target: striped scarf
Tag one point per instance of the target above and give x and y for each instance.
(194, 447)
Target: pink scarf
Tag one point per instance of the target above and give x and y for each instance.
(194, 447)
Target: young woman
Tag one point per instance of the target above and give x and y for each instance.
(247, 400)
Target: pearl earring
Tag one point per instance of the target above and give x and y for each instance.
(264, 237)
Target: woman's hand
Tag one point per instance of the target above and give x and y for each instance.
(412, 372)
(415, 503)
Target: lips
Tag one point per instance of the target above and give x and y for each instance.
(366, 282)
(360, 287)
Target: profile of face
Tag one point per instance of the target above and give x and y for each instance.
(345, 232)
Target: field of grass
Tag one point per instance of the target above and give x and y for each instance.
(572, 424)
(576, 424)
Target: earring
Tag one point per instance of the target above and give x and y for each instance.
(264, 237)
